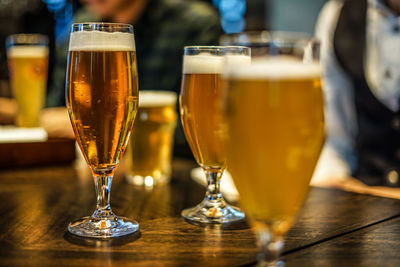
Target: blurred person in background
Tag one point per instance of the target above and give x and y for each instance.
(360, 55)
(162, 28)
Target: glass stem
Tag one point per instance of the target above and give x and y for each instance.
(103, 187)
(213, 185)
(270, 247)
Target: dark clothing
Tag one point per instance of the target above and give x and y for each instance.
(165, 27)
(378, 141)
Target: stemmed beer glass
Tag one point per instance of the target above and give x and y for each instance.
(275, 132)
(200, 111)
(102, 99)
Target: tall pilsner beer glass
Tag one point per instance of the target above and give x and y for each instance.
(102, 99)
(275, 125)
(200, 110)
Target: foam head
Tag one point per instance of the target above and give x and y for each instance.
(237, 60)
(101, 41)
(206, 63)
(156, 98)
(203, 63)
(35, 51)
(276, 68)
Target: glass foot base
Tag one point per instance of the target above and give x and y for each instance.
(205, 212)
(103, 227)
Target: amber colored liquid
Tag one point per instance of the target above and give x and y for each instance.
(200, 109)
(152, 142)
(28, 75)
(102, 99)
(276, 133)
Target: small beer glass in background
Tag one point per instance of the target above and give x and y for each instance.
(27, 56)
(151, 144)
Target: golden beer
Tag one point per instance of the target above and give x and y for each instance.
(276, 132)
(102, 98)
(150, 148)
(200, 110)
(28, 74)
(200, 106)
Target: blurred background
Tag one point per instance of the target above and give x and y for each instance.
(54, 17)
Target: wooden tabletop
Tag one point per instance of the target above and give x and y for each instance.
(334, 228)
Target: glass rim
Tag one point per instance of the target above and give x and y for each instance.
(263, 37)
(158, 91)
(212, 47)
(272, 33)
(36, 39)
(28, 34)
(92, 25)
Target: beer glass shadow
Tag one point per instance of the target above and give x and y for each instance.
(239, 225)
(101, 243)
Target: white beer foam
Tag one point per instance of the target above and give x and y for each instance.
(238, 60)
(101, 41)
(28, 51)
(277, 68)
(148, 98)
(206, 63)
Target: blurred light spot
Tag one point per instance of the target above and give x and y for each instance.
(233, 26)
(393, 177)
(232, 14)
(148, 181)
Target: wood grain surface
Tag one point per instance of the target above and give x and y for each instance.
(37, 204)
(377, 245)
